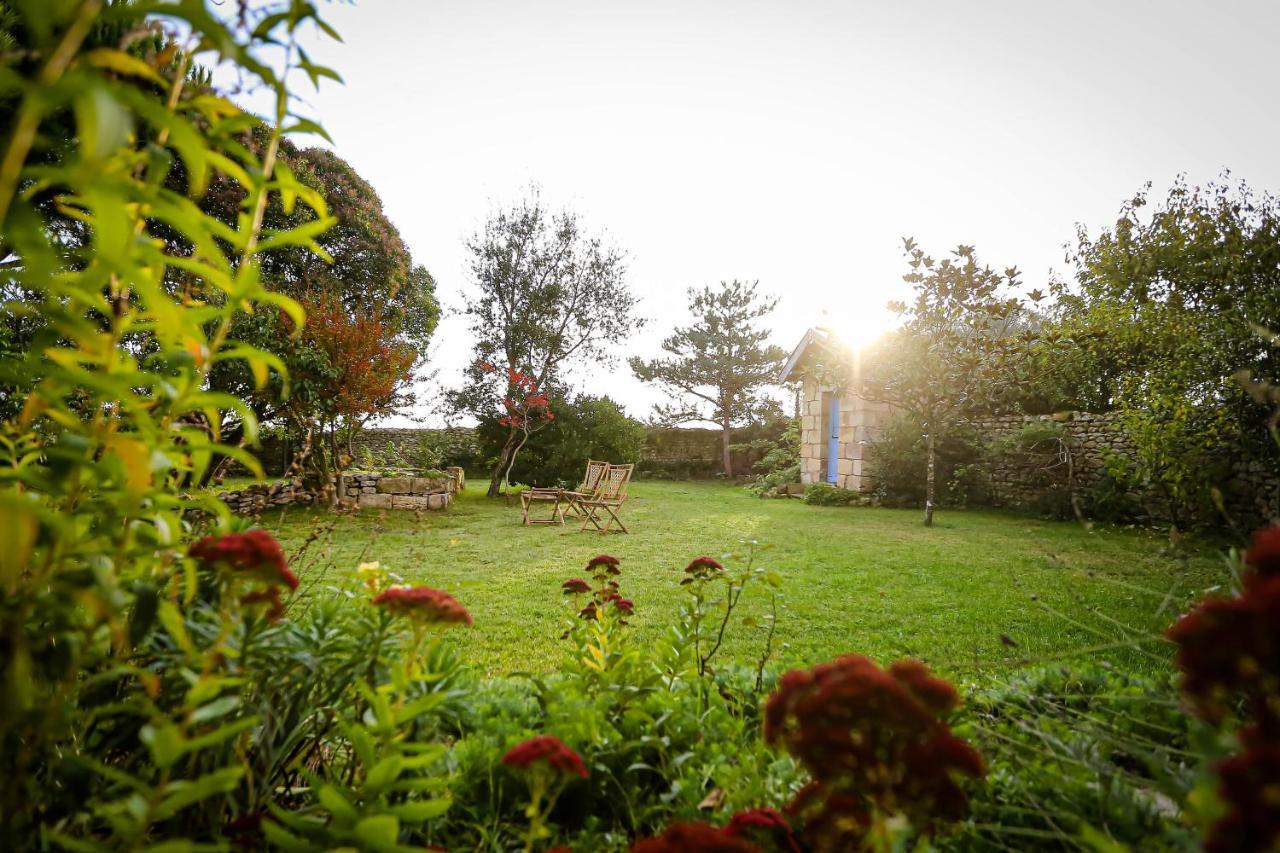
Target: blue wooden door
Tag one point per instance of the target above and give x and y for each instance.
(833, 439)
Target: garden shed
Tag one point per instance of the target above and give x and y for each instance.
(836, 427)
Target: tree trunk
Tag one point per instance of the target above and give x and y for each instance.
(929, 479)
(500, 470)
(726, 438)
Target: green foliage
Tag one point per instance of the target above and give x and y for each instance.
(898, 461)
(717, 367)
(825, 494)
(1166, 305)
(1081, 752)
(584, 427)
(779, 460)
(135, 307)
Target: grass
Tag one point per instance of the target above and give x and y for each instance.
(977, 594)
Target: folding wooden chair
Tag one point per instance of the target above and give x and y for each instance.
(609, 499)
(588, 487)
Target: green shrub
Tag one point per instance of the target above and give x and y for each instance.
(825, 494)
(584, 428)
(779, 460)
(898, 465)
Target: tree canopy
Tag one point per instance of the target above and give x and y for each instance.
(546, 295)
(719, 365)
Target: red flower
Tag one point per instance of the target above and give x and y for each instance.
(487, 367)
(422, 604)
(575, 586)
(691, 837)
(703, 567)
(1247, 784)
(255, 553)
(1264, 554)
(602, 560)
(875, 736)
(1228, 647)
(766, 823)
(626, 605)
(548, 749)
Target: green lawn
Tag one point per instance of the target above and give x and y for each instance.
(978, 593)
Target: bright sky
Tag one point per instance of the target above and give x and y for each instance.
(791, 142)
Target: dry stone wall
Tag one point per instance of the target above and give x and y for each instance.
(1250, 495)
(400, 490)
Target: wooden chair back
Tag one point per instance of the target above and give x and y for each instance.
(591, 480)
(613, 485)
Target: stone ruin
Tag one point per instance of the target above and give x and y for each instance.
(415, 490)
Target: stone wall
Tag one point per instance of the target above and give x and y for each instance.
(407, 490)
(1250, 495)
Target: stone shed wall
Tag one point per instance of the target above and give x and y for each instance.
(860, 420)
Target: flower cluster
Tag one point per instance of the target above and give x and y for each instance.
(694, 837)
(253, 556)
(1228, 651)
(548, 751)
(765, 825)
(604, 569)
(526, 405)
(422, 604)
(876, 744)
(701, 569)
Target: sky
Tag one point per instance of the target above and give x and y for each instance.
(795, 143)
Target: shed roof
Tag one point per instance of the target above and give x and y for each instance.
(815, 335)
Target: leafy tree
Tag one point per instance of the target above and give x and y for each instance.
(720, 364)
(363, 279)
(950, 356)
(346, 368)
(546, 296)
(1168, 305)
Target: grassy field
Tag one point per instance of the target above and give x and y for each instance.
(978, 593)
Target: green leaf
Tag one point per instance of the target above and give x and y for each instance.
(337, 805)
(184, 793)
(420, 810)
(382, 774)
(380, 832)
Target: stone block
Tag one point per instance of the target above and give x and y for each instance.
(375, 501)
(394, 486)
(411, 501)
(459, 477)
(438, 501)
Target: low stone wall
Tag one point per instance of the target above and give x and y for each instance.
(260, 497)
(396, 490)
(403, 491)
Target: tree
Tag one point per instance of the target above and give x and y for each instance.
(546, 296)
(949, 357)
(1168, 305)
(345, 368)
(378, 308)
(718, 365)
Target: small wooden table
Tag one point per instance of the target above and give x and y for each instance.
(557, 509)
